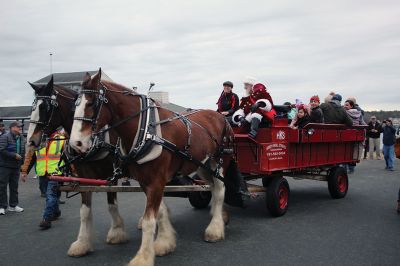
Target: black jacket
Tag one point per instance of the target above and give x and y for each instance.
(8, 150)
(374, 135)
(316, 115)
(228, 103)
(302, 122)
(335, 114)
(389, 135)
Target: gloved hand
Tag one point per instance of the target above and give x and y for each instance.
(242, 120)
(254, 107)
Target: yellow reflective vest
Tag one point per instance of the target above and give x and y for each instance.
(47, 158)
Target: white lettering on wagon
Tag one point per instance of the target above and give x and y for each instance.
(280, 135)
(275, 151)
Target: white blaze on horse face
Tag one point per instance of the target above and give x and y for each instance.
(78, 140)
(35, 116)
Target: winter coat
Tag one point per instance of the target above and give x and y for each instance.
(377, 134)
(356, 116)
(389, 135)
(228, 102)
(316, 115)
(8, 150)
(302, 122)
(335, 114)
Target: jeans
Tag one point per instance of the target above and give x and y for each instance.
(9, 178)
(388, 152)
(43, 184)
(52, 197)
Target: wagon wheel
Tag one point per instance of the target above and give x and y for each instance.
(338, 182)
(278, 196)
(199, 199)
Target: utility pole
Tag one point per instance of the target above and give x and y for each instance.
(51, 63)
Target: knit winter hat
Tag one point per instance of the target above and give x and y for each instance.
(337, 97)
(314, 98)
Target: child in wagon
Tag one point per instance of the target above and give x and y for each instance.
(316, 114)
(302, 117)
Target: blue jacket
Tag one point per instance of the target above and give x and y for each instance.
(8, 150)
(389, 135)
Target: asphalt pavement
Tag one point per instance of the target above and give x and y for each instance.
(361, 229)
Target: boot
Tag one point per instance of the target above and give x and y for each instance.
(236, 188)
(45, 224)
(255, 122)
(243, 122)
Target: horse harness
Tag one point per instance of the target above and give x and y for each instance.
(146, 134)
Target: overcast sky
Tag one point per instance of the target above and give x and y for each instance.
(189, 48)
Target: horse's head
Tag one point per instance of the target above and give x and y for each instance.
(91, 114)
(43, 108)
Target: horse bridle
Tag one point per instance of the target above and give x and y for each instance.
(51, 104)
(98, 104)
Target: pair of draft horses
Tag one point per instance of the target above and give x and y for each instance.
(102, 103)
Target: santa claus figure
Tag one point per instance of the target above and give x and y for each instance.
(254, 108)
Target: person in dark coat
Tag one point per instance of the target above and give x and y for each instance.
(228, 102)
(374, 131)
(303, 118)
(12, 151)
(389, 139)
(334, 113)
(316, 114)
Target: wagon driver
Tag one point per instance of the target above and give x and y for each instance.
(228, 102)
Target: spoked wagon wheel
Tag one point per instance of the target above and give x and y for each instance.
(278, 196)
(338, 182)
(199, 199)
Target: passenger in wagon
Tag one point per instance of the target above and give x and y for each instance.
(354, 113)
(302, 118)
(334, 113)
(228, 102)
(255, 108)
(316, 115)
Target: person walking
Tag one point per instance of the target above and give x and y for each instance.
(389, 139)
(12, 150)
(374, 131)
(47, 163)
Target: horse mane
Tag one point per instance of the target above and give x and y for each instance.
(65, 91)
(118, 86)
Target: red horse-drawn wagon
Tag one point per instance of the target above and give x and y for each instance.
(318, 152)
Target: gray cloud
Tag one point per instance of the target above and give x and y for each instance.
(298, 48)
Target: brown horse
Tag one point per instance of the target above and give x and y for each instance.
(104, 103)
(54, 107)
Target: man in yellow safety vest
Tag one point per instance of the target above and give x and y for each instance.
(48, 162)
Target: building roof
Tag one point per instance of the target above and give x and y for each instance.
(15, 111)
(174, 107)
(69, 77)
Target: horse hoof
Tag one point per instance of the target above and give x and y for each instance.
(213, 235)
(79, 249)
(116, 236)
(140, 260)
(163, 247)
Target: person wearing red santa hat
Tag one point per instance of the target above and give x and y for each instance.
(254, 108)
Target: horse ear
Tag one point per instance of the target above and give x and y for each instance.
(34, 87)
(97, 78)
(86, 77)
(50, 84)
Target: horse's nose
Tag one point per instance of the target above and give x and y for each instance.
(78, 143)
